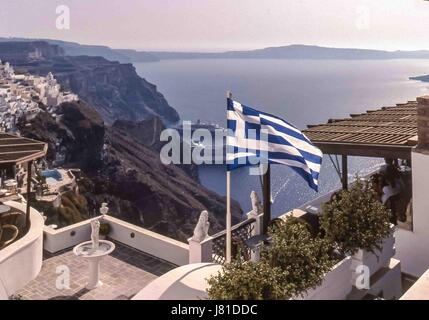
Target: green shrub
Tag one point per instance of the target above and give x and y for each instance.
(104, 228)
(246, 281)
(303, 258)
(293, 263)
(355, 219)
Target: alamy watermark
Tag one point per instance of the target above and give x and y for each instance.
(62, 21)
(362, 281)
(363, 20)
(63, 279)
(216, 146)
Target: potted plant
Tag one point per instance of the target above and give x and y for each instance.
(104, 230)
(246, 281)
(309, 263)
(359, 225)
(296, 265)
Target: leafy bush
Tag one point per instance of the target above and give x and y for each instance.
(356, 219)
(303, 259)
(73, 209)
(245, 281)
(104, 228)
(294, 262)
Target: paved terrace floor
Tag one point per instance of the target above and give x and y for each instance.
(123, 273)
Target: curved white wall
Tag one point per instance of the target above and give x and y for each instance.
(21, 261)
(187, 282)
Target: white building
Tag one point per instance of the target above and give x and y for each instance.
(20, 95)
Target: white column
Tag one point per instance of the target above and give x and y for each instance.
(257, 230)
(94, 274)
(200, 251)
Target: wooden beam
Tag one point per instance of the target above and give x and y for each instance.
(27, 213)
(365, 150)
(267, 199)
(344, 172)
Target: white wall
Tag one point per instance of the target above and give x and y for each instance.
(148, 241)
(59, 239)
(21, 261)
(419, 290)
(412, 247)
(139, 238)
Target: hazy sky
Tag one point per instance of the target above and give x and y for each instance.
(205, 25)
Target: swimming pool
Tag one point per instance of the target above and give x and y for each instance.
(53, 174)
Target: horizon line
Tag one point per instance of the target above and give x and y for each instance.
(328, 46)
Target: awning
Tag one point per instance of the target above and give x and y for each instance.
(389, 132)
(17, 150)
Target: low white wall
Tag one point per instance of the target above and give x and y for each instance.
(183, 283)
(412, 246)
(59, 239)
(148, 241)
(377, 260)
(419, 290)
(21, 261)
(140, 238)
(336, 285)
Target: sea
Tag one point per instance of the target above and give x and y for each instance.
(300, 91)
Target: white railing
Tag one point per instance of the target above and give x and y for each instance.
(212, 249)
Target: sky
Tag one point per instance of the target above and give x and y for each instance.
(219, 25)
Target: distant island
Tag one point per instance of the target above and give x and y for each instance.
(297, 51)
(424, 78)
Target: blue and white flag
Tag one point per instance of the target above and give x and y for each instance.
(257, 137)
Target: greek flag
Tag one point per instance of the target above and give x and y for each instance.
(256, 137)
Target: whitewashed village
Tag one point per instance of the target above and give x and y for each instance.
(20, 95)
(107, 258)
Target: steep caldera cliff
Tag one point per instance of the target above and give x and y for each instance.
(114, 89)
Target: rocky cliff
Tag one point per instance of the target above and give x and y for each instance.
(114, 89)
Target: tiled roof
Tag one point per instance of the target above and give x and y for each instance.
(16, 150)
(386, 132)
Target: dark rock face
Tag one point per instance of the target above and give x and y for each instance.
(147, 132)
(113, 89)
(79, 129)
(165, 198)
(23, 52)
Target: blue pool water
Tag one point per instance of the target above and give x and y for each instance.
(54, 174)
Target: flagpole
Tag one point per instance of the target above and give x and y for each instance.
(228, 207)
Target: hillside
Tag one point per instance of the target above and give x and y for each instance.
(114, 89)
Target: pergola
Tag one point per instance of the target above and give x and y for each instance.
(15, 150)
(389, 132)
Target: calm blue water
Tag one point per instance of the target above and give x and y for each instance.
(301, 91)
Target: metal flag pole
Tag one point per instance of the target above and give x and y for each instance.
(228, 207)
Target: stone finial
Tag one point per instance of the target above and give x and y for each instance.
(202, 228)
(104, 209)
(256, 203)
(423, 122)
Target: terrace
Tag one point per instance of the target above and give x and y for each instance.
(140, 257)
(148, 265)
(124, 273)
